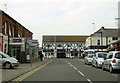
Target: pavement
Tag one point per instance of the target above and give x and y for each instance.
(10, 74)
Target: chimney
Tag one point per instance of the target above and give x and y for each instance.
(102, 28)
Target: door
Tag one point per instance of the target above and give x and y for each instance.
(16, 52)
(108, 60)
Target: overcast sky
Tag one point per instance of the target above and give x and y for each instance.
(62, 17)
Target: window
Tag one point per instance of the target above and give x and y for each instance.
(13, 31)
(114, 38)
(117, 55)
(5, 28)
(10, 34)
(110, 56)
(98, 42)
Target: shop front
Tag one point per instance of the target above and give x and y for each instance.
(17, 48)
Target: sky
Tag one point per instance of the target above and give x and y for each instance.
(62, 17)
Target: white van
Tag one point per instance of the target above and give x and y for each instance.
(7, 62)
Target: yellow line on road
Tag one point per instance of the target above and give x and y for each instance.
(22, 77)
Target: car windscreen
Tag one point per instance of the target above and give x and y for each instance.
(117, 55)
(90, 56)
(5, 55)
(102, 55)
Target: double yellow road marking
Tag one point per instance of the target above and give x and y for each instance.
(22, 77)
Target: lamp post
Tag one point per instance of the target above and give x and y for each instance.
(118, 26)
(93, 26)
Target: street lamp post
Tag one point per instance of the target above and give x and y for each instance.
(118, 25)
(93, 26)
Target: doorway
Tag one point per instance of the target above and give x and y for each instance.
(16, 52)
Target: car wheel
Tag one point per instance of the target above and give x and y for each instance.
(103, 68)
(92, 64)
(96, 65)
(85, 63)
(7, 65)
(111, 69)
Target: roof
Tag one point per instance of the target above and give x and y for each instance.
(64, 38)
(107, 32)
(14, 20)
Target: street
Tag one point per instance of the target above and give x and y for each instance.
(69, 70)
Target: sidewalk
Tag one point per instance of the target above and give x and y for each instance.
(9, 74)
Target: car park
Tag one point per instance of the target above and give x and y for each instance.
(112, 61)
(7, 62)
(98, 59)
(88, 59)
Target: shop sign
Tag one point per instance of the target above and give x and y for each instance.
(17, 41)
(33, 42)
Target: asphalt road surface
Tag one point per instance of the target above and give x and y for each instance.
(71, 70)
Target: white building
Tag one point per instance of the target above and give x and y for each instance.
(102, 38)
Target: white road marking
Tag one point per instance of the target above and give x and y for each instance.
(89, 80)
(71, 65)
(75, 68)
(114, 75)
(81, 73)
(81, 59)
(87, 66)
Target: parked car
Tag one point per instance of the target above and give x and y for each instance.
(98, 59)
(7, 62)
(112, 61)
(87, 52)
(88, 59)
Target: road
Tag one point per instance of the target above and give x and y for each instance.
(70, 70)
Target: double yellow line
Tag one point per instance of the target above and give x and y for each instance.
(22, 77)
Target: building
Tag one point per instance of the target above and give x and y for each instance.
(101, 39)
(63, 45)
(13, 37)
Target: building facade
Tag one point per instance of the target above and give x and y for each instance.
(13, 37)
(102, 38)
(63, 45)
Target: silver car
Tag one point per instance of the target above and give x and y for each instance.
(88, 59)
(7, 62)
(98, 59)
(112, 61)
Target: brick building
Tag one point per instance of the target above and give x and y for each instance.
(13, 36)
